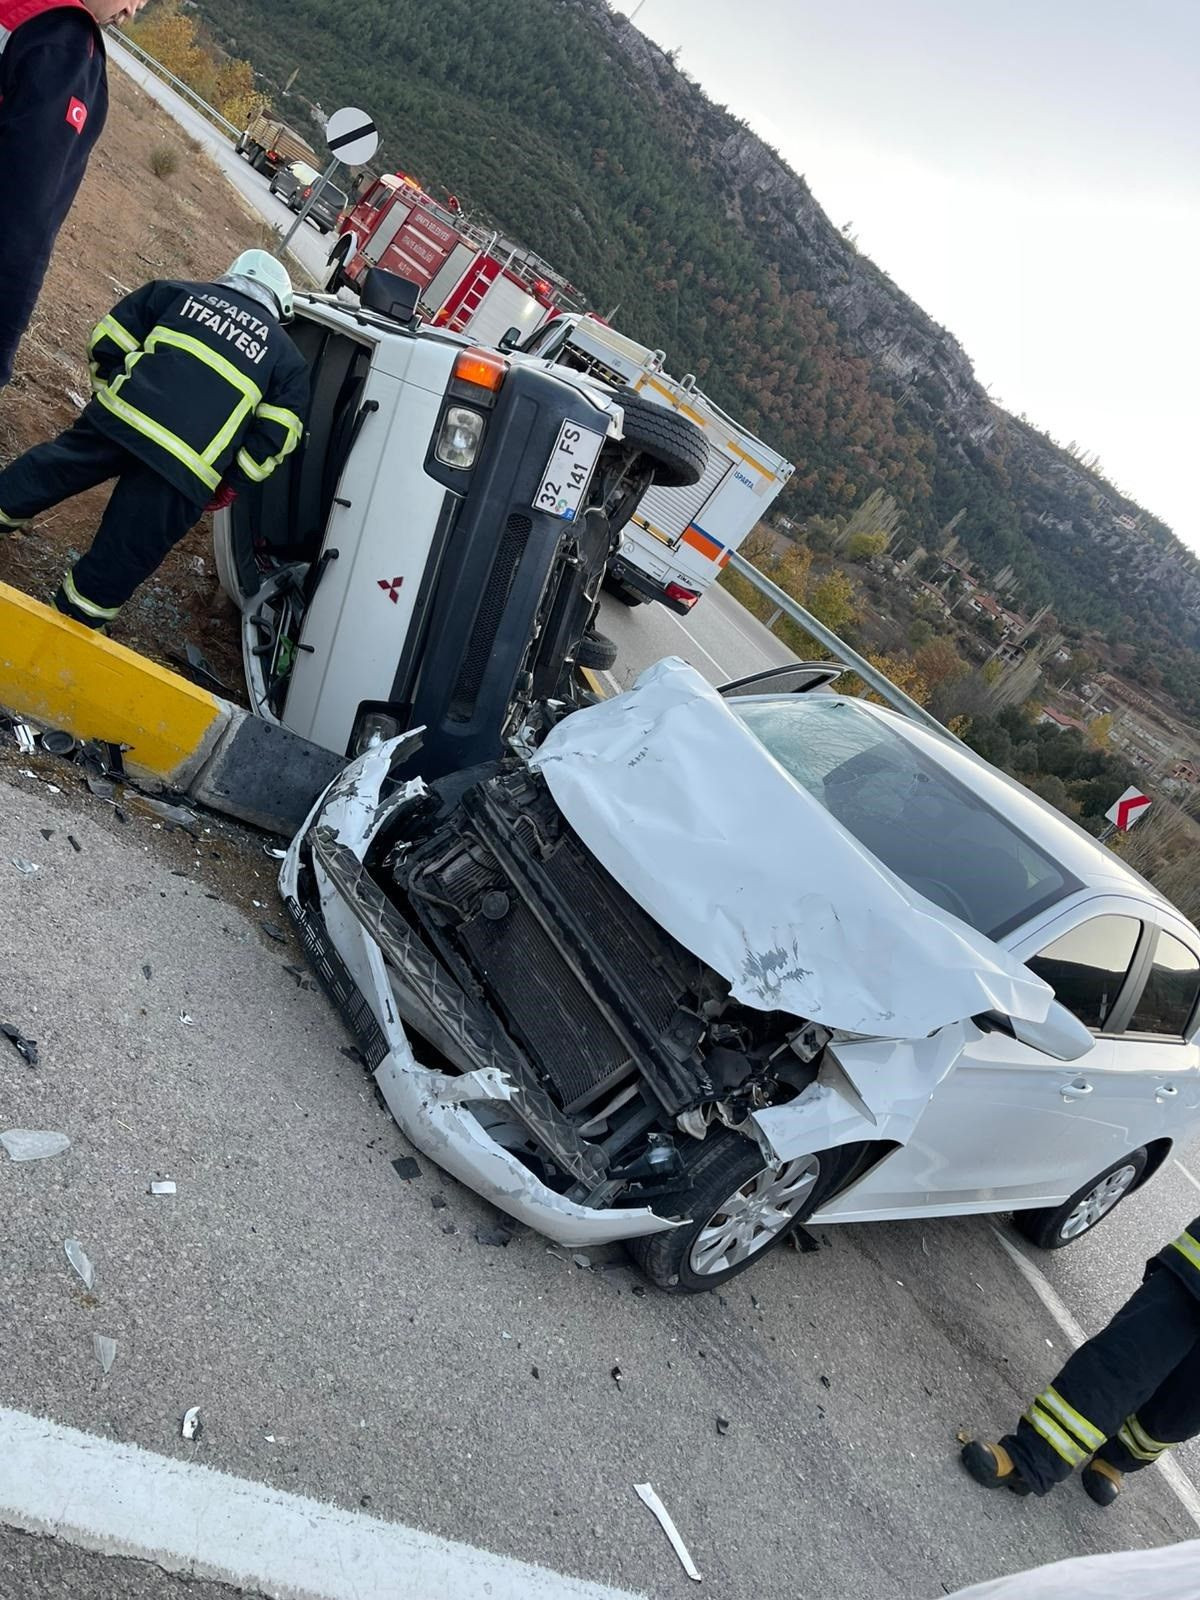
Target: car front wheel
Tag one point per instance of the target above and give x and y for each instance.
(740, 1208)
(1053, 1227)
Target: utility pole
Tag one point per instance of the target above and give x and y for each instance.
(633, 14)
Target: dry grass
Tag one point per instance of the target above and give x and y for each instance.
(164, 161)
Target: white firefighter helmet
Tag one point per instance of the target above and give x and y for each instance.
(262, 267)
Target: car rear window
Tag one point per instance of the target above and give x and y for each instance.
(941, 839)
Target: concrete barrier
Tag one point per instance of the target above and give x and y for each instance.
(63, 675)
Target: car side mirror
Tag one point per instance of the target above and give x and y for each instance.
(511, 340)
(1061, 1035)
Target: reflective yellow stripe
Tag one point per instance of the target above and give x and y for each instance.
(280, 414)
(108, 327)
(211, 358)
(12, 522)
(154, 431)
(1075, 1424)
(1134, 1448)
(1061, 1443)
(1143, 1438)
(226, 436)
(104, 613)
(1188, 1249)
(293, 428)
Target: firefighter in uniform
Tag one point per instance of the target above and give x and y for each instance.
(196, 390)
(53, 103)
(1123, 1398)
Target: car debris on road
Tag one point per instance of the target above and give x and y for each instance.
(78, 1259)
(650, 1499)
(28, 1144)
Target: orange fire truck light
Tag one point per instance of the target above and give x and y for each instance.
(480, 367)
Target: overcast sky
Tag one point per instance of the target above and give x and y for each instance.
(1028, 171)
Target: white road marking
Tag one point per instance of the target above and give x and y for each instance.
(667, 612)
(1194, 1181)
(1177, 1480)
(730, 611)
(121, 1500)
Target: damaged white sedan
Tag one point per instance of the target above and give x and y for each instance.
(703, 966)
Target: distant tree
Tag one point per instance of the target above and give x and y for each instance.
(1100, 730)
(834, 602)
(862, 546)
(920, 633)
(938, 661)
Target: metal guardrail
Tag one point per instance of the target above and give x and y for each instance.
(838, 648)
(156, 67)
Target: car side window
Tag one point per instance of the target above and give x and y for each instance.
(1171, 991)
(1087, 966)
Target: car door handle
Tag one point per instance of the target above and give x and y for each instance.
(1076, 1090)
(1162, 1090)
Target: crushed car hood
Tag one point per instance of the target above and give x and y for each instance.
(695, 820)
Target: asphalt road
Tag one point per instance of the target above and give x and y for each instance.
(718, 637)
(349, 1339)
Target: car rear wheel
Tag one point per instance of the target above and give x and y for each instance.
(740, 1209)
(676, 446)
(1053, 1227)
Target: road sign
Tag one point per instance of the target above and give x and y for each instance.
(1131, 806)
(351, 136)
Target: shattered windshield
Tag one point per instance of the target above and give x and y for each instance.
(929, 829)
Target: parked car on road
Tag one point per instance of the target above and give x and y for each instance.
(295, 183)
(701, 965)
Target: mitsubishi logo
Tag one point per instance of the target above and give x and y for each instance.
(391, 587)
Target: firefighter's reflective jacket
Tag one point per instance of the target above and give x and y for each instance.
(200, 382)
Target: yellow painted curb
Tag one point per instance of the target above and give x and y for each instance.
(65, 675)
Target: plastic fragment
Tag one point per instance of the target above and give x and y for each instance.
(27, 867)
(31, 1144)
(177, 816)
(47, 834)
(722, 1425)
(75, 844)
(535, 1373)
(582, 1261)
(59, 742)
(26, 739)
(53, 788)
(438, 1202)
(188, 1022)
(273, 931)
(163, 1186)
(493, 1236)
(106, 1351)
(148, 970)
(275, 854)
(618, 1377)
(647, 1496)
(77, 1256)
(103, 788)
(27, 1048)
(407, 1168)
(196, 658)
(191, 1427)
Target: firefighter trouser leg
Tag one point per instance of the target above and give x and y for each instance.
(1109, 1378)
(145, 518)
(78, 459)
(1170, 1416)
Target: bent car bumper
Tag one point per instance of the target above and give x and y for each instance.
(434, 1109)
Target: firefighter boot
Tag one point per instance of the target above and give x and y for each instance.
(992, 1466)
(1101, 1481)
(70, 603)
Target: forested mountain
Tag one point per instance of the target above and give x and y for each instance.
(561, 122)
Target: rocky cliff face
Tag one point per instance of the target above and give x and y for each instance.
(1069, 516)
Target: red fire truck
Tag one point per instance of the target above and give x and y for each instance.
(470, 278)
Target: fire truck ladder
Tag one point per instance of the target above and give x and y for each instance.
(472, 300)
